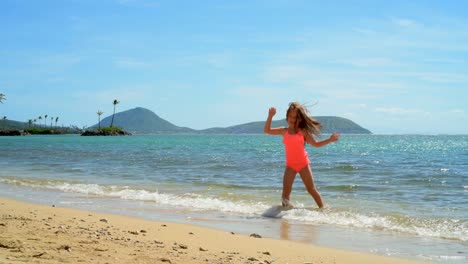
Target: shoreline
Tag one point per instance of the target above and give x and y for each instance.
(38, 233)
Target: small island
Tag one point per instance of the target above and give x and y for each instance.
(106, 131)
(110, 130)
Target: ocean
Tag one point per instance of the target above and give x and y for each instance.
(394, 195)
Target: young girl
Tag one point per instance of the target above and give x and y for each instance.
(301, 129)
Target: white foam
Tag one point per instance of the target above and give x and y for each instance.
(189, 200)
(437, 228)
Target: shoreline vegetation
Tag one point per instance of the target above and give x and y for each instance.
(107, 131)
(39, 131)
(16, 128)
(39, 233)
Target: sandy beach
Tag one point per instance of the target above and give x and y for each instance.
(33, 233)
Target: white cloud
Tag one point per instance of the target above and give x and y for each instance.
(220, 60)
(252, 91)
(130, 63)
(286, 72)
(403, 22)
(144, 3)
(431, 76)
(398, 110)
(349, 115)
(351, 94)
(361, 106)
(60, 60)
(368, 62)
(442, 77)
(128, 94)
(457, 111)
(385, 85)
(364, 31)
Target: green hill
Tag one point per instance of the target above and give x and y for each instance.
(12, 125)
(330, 124)
(143, 121)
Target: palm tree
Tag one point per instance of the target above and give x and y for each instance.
(51, 120)
(4, 122)
(99, 113)
(30, 121)
(115, 103)
(56, 120)
(2, 97)
(40, 118)
(45, 120)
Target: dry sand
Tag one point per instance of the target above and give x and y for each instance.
(32, 233)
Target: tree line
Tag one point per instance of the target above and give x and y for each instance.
(54, 129)
(34, 125)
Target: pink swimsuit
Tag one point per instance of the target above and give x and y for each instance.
(296, 155)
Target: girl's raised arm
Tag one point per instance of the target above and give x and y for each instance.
(268, 129)
(311, 140)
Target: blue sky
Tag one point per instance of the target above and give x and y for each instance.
(391, 66)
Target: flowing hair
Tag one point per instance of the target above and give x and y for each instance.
(305, 122)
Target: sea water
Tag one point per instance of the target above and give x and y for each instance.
(396, 195)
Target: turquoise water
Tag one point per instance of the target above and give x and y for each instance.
(394, 195)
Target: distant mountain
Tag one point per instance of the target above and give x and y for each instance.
(12, 125)
(143, 121)
(330, 124)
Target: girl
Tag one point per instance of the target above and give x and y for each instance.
(301, 129)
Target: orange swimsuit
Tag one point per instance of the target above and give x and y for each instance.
(296, 154)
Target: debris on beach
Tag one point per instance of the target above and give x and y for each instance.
(165, 260)
(64, 247)
(255, 235)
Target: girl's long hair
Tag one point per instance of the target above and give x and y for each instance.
(306, 122)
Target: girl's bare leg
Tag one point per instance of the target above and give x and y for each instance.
(288, 180)
(308, 180)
